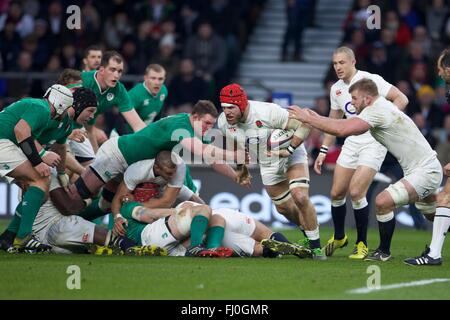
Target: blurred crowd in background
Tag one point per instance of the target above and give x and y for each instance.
(200, 44)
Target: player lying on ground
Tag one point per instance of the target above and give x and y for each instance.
(361, 156)
(162, 176)
(284, 173)
(21, 125)
(181, 231)
(73, 234)
(441, 223)
(398, 133)
(115, 155)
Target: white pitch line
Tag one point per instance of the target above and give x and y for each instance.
(398, 285)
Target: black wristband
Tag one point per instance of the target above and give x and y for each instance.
(323, 149)
(29, 149)
(290, 149)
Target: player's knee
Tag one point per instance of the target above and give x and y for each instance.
(396, 193)
(183, 219)
(443, 199)
(301, 198)
(217, 221)
(383, 203)
(337, 194)
(356, 193)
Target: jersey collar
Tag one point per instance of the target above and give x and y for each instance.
(98, 84)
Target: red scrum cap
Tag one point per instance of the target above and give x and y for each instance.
(233, 94)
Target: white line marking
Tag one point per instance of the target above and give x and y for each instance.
(398, 285)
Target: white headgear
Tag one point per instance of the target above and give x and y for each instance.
(60, 97)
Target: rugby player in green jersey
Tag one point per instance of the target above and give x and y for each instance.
(148, 96)
(113, 158)
(22, 123)
(110, 92)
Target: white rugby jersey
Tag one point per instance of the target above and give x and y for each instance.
(340, 99)
(263, 118)
(398, 133)
(142, 171)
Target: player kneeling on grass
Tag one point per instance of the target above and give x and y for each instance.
(72, 234)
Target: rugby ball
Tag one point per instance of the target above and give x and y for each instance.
(279, 139)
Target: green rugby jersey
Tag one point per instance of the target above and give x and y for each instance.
(36, 112)
(145, 103)
(117, 96)
(163, 134)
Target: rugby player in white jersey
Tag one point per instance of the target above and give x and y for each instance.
(398, 133)
(284, 173)
(441, 223)
(361, 156)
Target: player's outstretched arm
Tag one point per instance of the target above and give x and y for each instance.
(241, 176)
(90, 129)
(134, 120)
(336, 127)
(212, 154)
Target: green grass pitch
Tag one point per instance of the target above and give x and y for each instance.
(119, 277)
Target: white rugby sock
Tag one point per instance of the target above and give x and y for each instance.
(440, 227)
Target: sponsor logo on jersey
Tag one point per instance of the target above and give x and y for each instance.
(338, 92)
(258, 123)
(6, 167)
(162, 97)
(110, 96)
(232, 129)
(350, 108)
(146, 102)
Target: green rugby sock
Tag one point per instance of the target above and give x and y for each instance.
(31, 203)
(198, 229)
(92, 212)
(15, 222)
(214, 237)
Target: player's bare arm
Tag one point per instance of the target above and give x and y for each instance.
(22, 131)
(90, 129)
(241, 175)
(211, 153)
(336, 127)
(447, 169)
(61, 150)
(397, 97)
(327, 142)
(134, 120)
